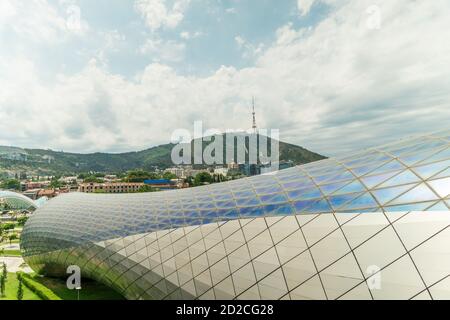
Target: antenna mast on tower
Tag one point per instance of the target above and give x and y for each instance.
(254, 127)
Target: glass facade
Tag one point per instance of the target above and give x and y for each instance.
(15, 201)
(324, 230)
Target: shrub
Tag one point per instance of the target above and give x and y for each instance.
(3, 281)
(8, 226)
(21, 221)
(20, 289)
(5, 271)
(40, 290)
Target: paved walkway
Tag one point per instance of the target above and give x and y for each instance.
(14, 246)
(15, 264)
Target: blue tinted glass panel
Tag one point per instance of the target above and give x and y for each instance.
(330, 188)
(226, 204)
(192, 214)
(301, 206)
(233, 213)
(360, 171)
(391, 166)
(409, 207)
(312, 206)
(275, 198)
(207, 220)
(209, 213)
(386, 195)
(336, 177)
(406, 177)
(206, 205)
(321, 206)
(204, 199)
(248, 202)
(291, 177)
(373, 181)
(441, 187)
(244, 194)
(304, 194)
(443, 155)
(439, 207)
(269, 190)
(443, 174)
(279, 209)
(298, 185)
(364, 201)
(430, 170)
(226, 196)
(353, 187)
(251, 212)
(189, 206)
(418, 194)
(339, 201)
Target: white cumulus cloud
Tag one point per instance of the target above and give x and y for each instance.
(159, 13)
(332, 88)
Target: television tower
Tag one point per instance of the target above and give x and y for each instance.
(254, 127)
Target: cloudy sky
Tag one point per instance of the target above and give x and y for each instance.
(121, 75)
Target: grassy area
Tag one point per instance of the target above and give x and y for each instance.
(7, 242)
(11, 290)
(90, 290)
(10, 253)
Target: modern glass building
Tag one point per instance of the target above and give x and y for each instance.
(15, 201)
(371, 225)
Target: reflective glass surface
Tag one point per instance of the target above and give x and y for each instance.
(180, 243)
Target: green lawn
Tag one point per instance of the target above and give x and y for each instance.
(90, 290)
(7, 242)
(10, 253)
(11, 290)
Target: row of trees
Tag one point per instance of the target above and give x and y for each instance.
(10, 184)
(6, 234)
(4, 278)
(141, 176)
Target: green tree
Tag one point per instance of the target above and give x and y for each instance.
(20, 288)
(92, 179)
(8, 226)
(12, 237)
(146, 188)
(141, 176)
(5, 271)
(12, 184)
(203, 178)
(55, 183)
(169, 176)
(83, 176)
(21, 221)
(190, 181)
(2, 285)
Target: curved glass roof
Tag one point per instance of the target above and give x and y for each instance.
(16, 201)
(411, 175)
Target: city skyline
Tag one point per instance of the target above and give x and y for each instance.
(131, 72)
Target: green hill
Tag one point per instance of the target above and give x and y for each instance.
(48, 162)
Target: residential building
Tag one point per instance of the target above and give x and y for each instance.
(109, 187)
